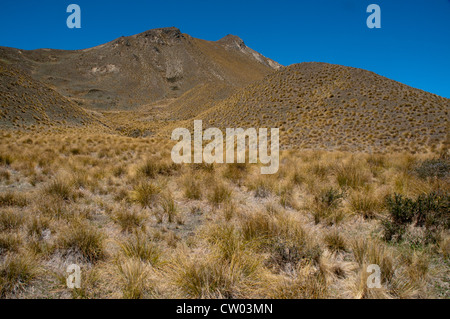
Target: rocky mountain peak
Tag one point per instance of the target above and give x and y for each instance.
(232, 41)
(169, 35)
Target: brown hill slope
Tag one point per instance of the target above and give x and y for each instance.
(318, 105)
(26, 102)
(155, 65)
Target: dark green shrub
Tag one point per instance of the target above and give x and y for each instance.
(433, 211)
(430, 211)
(401, 209)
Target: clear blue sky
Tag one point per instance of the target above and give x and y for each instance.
(413, 45)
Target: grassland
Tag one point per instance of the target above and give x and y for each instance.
(141, 227)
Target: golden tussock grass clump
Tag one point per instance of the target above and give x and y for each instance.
(82, 238)
(129, 219)
(16, 272)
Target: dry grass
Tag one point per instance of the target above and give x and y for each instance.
(16, 272)
(140, 228)
(82, 238)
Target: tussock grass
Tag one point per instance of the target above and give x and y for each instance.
(60, 188)
(220, 231)
(13, 199)
(152, 168)
(10, 219)
(369, 252)
(192, 187)
(263, 186)
(16, 272)
(168, 206)
(141, 247)
(335, 241)
(219, 194)
(134, 277)
(37, 225)
(308, 283)
(147, 194)
(5, 159)
(351, 175)
(9, 242)
(206, 277)
(84, 239)
(327, 206)
(365, 203)
(129, 218)
(5, 175)
(236, 173)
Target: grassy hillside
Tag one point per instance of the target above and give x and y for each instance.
(26, 102)
(318, 105)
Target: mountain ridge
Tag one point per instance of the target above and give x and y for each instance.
(131, 71)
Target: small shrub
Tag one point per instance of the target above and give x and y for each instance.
(330, 198)
(285, 251)
(429, 211)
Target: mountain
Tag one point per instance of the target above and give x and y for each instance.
(155, 65)
(26, 102)
(149, 83)
(319, 105)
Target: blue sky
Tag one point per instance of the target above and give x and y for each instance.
(413, 45)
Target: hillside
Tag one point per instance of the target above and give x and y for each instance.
(155, 65)
(26, 102)
(318, 105)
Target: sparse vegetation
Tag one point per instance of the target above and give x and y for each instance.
(363, 180)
